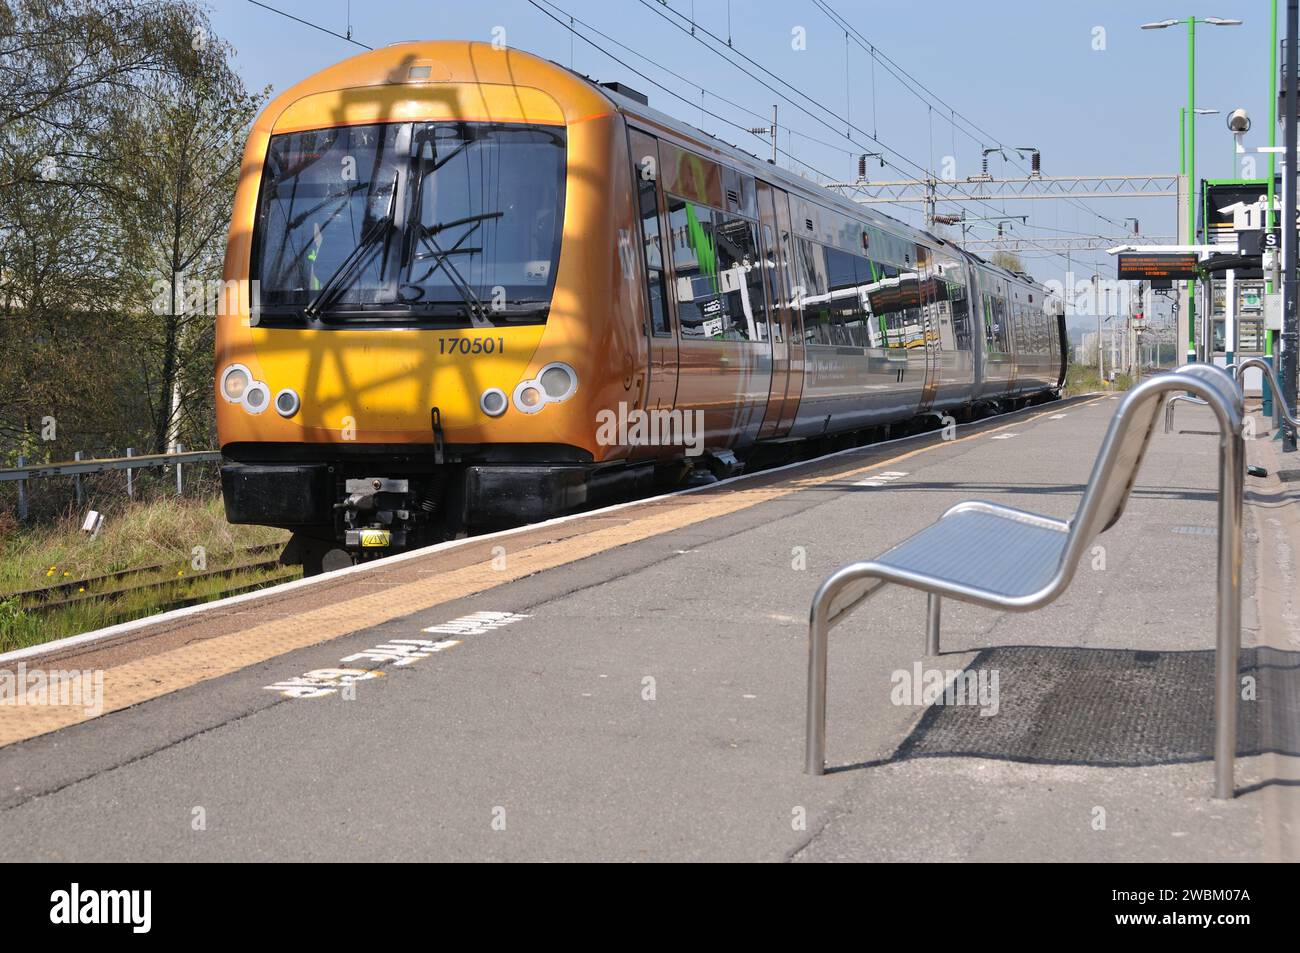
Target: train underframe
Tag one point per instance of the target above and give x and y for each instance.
(346, 504)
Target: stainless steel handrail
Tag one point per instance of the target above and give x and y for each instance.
(1169, 408)
(1267, 368)
(1213, 385)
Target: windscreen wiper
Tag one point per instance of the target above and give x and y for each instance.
(341, 279)
(442, 259)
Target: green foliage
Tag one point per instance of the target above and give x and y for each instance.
(1083, 379)
(136, 535)
(121, 130)
(18, 627)
(1008, 260)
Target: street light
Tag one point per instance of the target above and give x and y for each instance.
(1182, 132)
(1191, 145)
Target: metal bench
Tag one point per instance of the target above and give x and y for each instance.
(1174, 401)
(1239, 370)
(1268, 371)
(1006, 558)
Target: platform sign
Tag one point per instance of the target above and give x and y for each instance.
(1257, 241)
(1157, 266)
(1234, 207)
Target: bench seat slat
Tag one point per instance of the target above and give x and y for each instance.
(998, 554)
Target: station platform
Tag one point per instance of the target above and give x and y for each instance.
(629, 684)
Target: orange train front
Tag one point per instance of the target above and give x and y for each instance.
(478, 290)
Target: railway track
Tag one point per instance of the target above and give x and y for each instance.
(115, 586)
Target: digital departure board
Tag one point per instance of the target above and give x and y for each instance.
(1157, 266)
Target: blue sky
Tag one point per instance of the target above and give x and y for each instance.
(1025, 72)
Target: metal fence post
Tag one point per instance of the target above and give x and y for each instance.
(180, 485)
(22, 492)
(76, 477)
(130, 476)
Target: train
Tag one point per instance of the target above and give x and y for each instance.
(478, 289)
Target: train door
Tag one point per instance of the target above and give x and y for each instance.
(775, 237)
(717, 291)
(661, 393)
(927, 272)
(999, 355)
(795, 336)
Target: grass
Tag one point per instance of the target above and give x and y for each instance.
(161, 532)
(1083, 379)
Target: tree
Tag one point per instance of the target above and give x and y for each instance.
(180, 163)
(67, 68)
(121, 130)
(1008, 260)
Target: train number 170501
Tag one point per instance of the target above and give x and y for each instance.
(471, 345)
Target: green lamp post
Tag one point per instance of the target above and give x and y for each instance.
(1190, 144)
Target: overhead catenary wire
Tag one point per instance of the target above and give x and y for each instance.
(689, 82)
(722, 49)
(974, 132)
(316, 26)
(704, 111)
(671, 92)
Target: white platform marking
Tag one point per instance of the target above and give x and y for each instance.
(475, 624)
(882, 479)
(395, 652)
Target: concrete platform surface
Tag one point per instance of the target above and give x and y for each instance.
(644, 699)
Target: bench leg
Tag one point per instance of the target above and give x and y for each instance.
(815, 724)
(932, 624)
(1227, 683)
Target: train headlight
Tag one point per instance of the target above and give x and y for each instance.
(529, 398)
(234, 381)
(287, 402)
(256, 397)
(558, 380)
(554, 382)
(494, 402)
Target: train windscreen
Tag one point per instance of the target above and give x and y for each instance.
(446, 224)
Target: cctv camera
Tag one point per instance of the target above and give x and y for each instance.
(1238, 121)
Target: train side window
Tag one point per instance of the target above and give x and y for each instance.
(696, 290)
(740, 277)
(812, 291)
(911, 315)
(771, 269)
(990, 325)
(652, 247)
(877, 280)
(719, 286)
(954, 303)
(1001, 332)
(845, 298)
